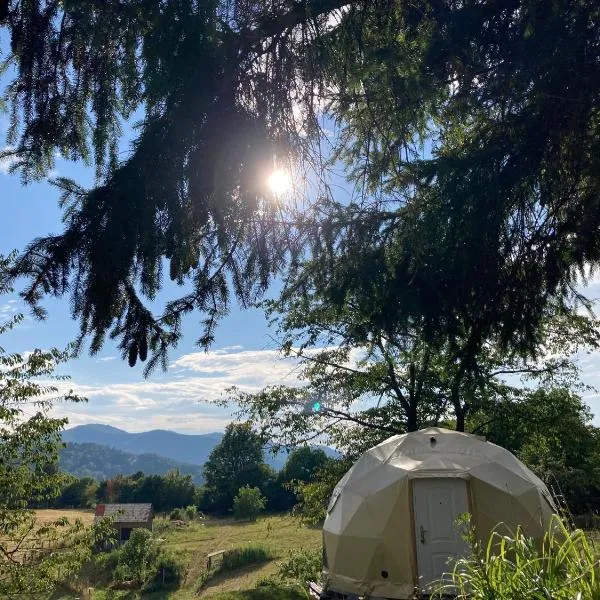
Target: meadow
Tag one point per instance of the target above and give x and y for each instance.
(49, 515)
(195, 540)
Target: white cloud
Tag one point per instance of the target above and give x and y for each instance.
(185, 423)
(247, 368)
(8, 309)
(107, 358)
(201, 377)
(182, 398)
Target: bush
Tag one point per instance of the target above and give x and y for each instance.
(191, 512)
(177, 514)
(565, 568)
(251, 554)
(137, 557)
(248, 504)
(160, 527)
(169, 571)
(102, 566)
(301, 566)
(203, 579)
(142, 561)
(107, 561)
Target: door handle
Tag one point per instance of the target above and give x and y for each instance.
(422, 534)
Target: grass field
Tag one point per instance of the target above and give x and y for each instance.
(194, 542)
(281, 534)
(50, 514)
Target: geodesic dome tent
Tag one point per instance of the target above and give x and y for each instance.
(391, 523)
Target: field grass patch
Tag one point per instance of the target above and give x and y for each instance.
(237, 558)
(263, 593)
(251, 554)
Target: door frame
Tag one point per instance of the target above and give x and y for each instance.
(411, 505)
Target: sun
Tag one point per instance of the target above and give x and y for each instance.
(279, 182)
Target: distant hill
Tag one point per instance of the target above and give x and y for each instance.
(183, 448)
(192, 449)
(103, 462)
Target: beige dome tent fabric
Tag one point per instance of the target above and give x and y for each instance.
(392, 518)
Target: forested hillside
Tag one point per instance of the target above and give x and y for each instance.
(103, 462)
(170, 447)
(192, 449)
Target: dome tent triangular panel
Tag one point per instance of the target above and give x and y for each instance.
(405, 491)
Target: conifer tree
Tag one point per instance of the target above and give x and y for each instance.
(469, 129)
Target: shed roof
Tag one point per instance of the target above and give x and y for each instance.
(125, 513)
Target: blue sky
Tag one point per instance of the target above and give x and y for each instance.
(180, 399)
(119, 395)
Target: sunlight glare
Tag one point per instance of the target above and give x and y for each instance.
(279, 182)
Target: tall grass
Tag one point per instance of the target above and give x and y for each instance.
(264, 593)
(251, 554)
(564, 567)
(301, 566)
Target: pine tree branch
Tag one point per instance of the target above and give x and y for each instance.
(298, 14)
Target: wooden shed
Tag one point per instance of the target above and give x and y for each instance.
(127, 517)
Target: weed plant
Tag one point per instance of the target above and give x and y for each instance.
(564, 567)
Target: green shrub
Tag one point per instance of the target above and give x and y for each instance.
(248, 503)
(169, 571)
(565, 567)
(107, 561)
(203, 579)
(137, 557)
(121, 573)
(142, 561)
(177, 514)
(160, 526)
(300, 566)
(245, 555)
(191, 512)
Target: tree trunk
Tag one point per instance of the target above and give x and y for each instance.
(411, 417)
(460, 419)
(460, 410)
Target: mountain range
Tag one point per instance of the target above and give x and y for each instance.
(192, 449)
(103, 451)
(104, 462)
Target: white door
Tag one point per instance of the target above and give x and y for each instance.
(437, 505)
